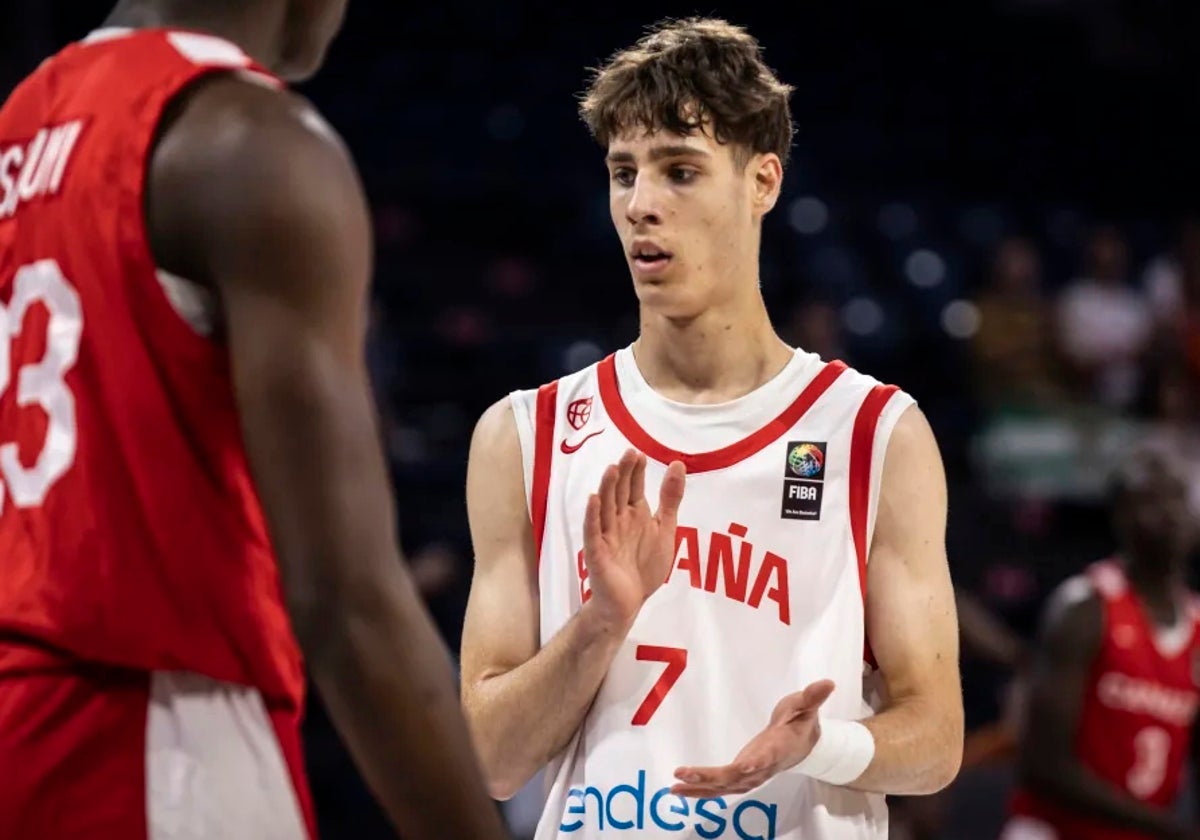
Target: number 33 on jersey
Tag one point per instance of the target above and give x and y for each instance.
(37, 351)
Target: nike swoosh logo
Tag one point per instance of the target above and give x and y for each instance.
(567, 448)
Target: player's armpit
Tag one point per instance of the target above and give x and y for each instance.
(252, 195)
(911, 622)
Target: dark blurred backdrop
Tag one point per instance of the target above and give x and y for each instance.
(992, 204)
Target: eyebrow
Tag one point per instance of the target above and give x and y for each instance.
(659, 153)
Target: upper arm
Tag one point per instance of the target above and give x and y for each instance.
(500, 630)
(1069, 641)
(253, 196)
(910, 606)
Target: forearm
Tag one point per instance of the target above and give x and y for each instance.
(918, 748)
(385, 676)
(1075, 787)
(524, 717)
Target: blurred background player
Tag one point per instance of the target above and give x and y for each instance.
(184, 257)
(649, 705)
(1114, 683)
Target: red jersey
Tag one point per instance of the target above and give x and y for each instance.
(130, 531)
(1136, 724)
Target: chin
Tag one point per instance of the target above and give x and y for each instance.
(668, 301)
(297, 72)
(300, 65)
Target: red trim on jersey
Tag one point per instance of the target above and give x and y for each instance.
(862, 445)
(286, 725)
(718, 459)
(543, 454)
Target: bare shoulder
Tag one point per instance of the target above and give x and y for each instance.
(912, 468)
(1073, 618)
(239, 163)
(496, 428)
(913, 442)
(496, 505)
(232, 120)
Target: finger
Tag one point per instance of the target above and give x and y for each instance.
(624, 478)
(802, 702)
(817, 693)
(637, 481)
(708, 776)
(608, 499)
(671, 492)
(717, 781)
(701, 792)
(591, 523)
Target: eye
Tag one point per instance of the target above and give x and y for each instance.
(681, 175)
(623, 176)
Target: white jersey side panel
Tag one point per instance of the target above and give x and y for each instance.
(764, 598)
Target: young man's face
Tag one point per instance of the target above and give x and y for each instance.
(688, 214)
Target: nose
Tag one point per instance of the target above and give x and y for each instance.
(643, 205)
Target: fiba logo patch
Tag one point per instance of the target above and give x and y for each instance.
(803, 480)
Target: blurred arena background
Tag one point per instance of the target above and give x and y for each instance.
(995, 205)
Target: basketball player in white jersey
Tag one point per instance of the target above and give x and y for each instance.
(770, 653)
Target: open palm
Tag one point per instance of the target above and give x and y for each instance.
(628, 549)
(787, 740)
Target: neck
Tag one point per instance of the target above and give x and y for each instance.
(1157, 588)
(720, 355)
(256, 27)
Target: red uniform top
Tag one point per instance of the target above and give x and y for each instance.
(130, 531)
(1136, 723)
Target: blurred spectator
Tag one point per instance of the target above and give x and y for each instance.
(1105, 326)
(1166, 276)
(1014, 350)
(1177, 432)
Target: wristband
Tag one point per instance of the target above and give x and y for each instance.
(843, 752)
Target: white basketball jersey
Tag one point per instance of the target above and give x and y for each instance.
(765, 595)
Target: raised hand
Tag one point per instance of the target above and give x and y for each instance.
(628, 549)
(787, 740)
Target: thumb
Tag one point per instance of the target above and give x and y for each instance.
(671, 492)
(802, 702)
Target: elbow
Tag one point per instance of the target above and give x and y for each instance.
(945, 767)
(501, 788)
(945, 772)
(503, 777)
(501, 773)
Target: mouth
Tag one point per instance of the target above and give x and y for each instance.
(649, 259)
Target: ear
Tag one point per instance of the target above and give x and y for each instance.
(767, 171)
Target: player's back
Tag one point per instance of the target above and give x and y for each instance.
(1139, 706)
(129, 527)
(765, 595)
(143, 634)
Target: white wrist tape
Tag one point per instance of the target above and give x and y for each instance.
(842, 753)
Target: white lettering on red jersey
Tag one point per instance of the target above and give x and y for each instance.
(765, 595)
(129, 526)
(1140, 704)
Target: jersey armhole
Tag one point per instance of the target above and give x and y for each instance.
(873, 424)
(899, 403)
(523, 415)
(193, 305)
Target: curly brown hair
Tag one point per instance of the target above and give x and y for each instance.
(692, 74)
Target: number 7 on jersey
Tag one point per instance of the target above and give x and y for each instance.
(676, 662)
